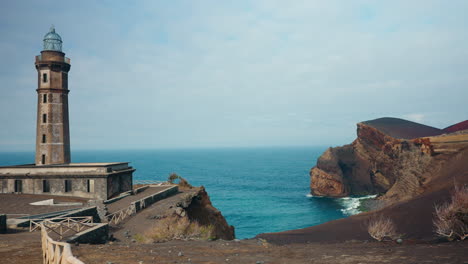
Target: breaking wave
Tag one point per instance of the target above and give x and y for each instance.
(351, 204)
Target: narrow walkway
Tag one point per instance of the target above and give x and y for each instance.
(144, 220)
(126, 201)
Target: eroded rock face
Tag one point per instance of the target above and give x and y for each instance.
(374, 163)
(198, 207)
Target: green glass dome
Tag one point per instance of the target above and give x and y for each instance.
(52, 40)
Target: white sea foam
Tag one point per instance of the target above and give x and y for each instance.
(315, 196)
(351, 204)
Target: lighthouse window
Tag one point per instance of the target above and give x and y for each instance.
(44, 77)
(43, 159)
(44, 118)
(44, 98)
(43, 138)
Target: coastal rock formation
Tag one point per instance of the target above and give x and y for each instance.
(185, 215)
(390, 156)
(413, 217)
(197, 206)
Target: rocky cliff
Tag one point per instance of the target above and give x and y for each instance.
(185, 215)
(196, 205)
(377, 162)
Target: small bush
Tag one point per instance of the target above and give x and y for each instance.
(172, 177)
(382, 228)
(183, 183)
(451, 219)
(175, 227)
(139, 238)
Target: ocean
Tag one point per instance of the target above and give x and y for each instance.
(257, 190)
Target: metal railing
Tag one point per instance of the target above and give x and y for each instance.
(65, 59)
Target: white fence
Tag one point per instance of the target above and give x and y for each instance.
(119, 216)
(62, 225)
(54, 252)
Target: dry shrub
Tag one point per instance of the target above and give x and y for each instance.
(183, 183)
(175, 227)
(451, 219)
(172, 177)
(381, 228)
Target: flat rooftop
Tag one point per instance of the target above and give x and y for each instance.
(102, 168)
(18, 205)
(66, 165)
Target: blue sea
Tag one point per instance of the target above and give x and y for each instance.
(258, 190)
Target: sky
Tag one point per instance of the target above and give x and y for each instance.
(207, 74)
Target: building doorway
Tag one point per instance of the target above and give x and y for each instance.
(18, 186)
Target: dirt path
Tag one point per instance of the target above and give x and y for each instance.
(23, 247)
(144, 219)
(125, 202)
(257, 251)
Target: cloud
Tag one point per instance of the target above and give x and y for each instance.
(419, 118)
(168, 74)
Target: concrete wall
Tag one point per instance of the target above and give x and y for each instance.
(145, 202)
(3, 223)
(98, 234)
(105, 179)
(89, 211)
(119, 183)
(79, 186)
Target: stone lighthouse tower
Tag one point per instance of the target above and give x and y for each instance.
(53, 134)
(53, 173)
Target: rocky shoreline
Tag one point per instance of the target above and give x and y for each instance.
(409, 176)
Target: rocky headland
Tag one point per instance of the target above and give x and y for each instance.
(391, 157)
(409, 166)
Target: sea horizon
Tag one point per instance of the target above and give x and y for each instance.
(257, 189)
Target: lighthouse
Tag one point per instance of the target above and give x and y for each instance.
(52, 172)
(53, 133)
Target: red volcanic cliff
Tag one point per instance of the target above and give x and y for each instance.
(390, 156)
(457, 127)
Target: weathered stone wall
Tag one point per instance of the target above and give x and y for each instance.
(90, 180)
(98, 234)
(146, 201)
(89, 211)
(79, 186)
(119, 183)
